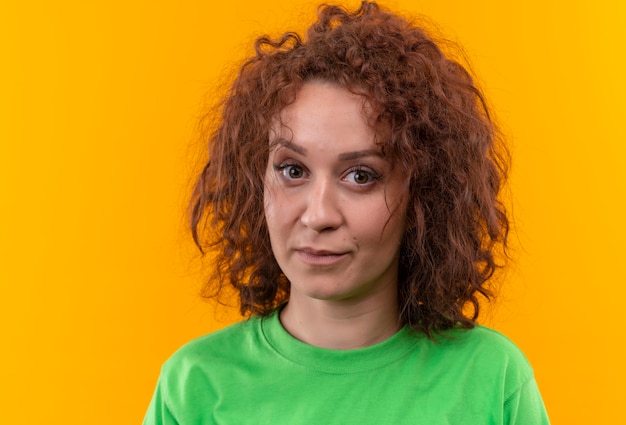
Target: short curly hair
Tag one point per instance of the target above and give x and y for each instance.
(438, 129)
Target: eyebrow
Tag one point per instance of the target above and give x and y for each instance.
(360, 154)
(291, 146)
(347, 156)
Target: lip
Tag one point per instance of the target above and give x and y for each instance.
(314, 257)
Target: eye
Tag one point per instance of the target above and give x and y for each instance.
(293, 172)
(290, 171)
(361, 177)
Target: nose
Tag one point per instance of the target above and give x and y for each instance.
(322, 212)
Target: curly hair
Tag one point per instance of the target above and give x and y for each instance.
(437, 127)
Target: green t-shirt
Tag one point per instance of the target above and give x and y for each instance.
(254, 372)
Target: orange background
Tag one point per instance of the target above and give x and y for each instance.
(99, 102)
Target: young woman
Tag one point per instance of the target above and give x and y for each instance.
(351, 198)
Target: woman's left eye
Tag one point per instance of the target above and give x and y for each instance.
(361, 177)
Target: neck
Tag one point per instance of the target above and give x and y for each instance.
(341, 325)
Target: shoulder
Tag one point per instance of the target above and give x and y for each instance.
(194, 369)
(201, 368)
(491, 355)
(484, 341)
(494, 345)
(212, 348)
(480, 341)
(500, 364)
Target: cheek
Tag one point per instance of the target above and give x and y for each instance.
(379, 224)
(269, 207)
(275, 207)
(269, 192)
(368, 222)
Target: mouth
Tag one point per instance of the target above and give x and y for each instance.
(320, 258)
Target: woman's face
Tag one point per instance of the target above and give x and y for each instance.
(335, 208)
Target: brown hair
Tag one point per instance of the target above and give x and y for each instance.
(437, 127)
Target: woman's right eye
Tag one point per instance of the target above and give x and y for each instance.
(290, 171)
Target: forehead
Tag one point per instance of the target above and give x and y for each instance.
(324, 112)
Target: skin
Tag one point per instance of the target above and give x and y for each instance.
(336, 212)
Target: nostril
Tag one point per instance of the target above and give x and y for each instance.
(321, 216)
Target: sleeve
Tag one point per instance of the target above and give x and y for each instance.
(525, 406)
(159, 413)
